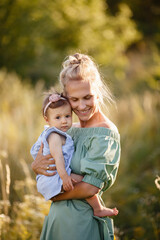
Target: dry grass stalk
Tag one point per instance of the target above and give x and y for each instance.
(5, 186)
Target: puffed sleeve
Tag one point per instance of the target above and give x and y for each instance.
(101, 162)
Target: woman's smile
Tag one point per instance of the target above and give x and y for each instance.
(83, 112)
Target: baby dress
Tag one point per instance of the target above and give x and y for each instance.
(50, 186)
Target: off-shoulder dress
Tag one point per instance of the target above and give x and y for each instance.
(96, 157)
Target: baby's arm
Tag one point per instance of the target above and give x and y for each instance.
(55, 146)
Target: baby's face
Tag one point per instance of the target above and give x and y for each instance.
(60, 117)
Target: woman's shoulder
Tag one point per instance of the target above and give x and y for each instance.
(76, 125)
(110, 126)
(107, 123)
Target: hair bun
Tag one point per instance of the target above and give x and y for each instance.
(74, 60)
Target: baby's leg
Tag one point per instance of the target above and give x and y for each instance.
(98, 209)
(76, 178)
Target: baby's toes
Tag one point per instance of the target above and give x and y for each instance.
(115, 211)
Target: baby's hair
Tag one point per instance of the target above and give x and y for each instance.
(82, 67)
(58, 103)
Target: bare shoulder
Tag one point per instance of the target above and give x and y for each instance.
(108, 124)
(77, 125)
(104, 124)
(111, 126)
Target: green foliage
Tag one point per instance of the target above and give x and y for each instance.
(145, 14)
(36, 36)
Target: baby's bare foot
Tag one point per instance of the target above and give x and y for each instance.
(104, 212)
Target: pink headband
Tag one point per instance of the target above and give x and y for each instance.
(52, 99)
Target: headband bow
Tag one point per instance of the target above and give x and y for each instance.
(52, 99)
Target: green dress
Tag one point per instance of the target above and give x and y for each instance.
(96, 157)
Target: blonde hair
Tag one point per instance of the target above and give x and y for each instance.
(82, 68)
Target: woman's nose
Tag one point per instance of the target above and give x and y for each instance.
(81, 105)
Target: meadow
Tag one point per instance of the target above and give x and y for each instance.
(135, 192)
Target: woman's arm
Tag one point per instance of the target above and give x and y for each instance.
(81, 190)
(40, 164)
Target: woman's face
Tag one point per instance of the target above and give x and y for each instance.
(83, 99)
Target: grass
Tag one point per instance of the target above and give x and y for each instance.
(22, 209)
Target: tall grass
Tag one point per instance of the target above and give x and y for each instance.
(22, 209)
(134, 192)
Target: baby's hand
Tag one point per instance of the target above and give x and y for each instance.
(67, 183)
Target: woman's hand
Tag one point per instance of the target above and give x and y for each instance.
(42, 163)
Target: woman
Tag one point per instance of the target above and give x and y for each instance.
(96, 156)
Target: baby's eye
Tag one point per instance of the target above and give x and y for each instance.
(67, 116)
(58, 117)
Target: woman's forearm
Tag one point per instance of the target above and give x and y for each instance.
(81, 190)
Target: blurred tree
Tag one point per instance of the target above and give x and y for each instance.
(142, 71)
(36, 36)
(145, 14)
